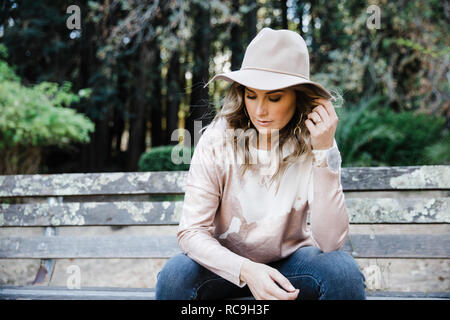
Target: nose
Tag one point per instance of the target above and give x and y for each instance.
(261, 109)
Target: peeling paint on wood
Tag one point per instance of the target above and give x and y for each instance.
(395, 178)
(93, 184)
(173, 182)
(361, 210)
(400, 210)
(423, 177)
(92, 213)
(380, 209)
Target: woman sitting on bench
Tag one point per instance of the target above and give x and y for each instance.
(268, 159)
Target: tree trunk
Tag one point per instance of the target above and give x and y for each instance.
(284, 20)
(250, 19)
(313, 55)
(300, 12)
(20, 160)
(199, 104)
(102, 142)
(173, 96)
(156, 113)
(139, 106)
(237, 53)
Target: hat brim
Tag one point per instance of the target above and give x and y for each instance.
(265, 80)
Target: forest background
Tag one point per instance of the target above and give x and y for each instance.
(106, 92)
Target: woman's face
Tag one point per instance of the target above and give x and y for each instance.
(270, 109)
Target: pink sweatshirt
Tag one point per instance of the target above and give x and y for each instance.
(227, 219)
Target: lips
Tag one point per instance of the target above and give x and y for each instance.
(263, 123)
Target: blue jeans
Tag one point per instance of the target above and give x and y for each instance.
(333, 275)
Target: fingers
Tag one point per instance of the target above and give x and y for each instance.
(327, 105)
(282, 280)
(279, 294)
(274, 292)
(263, 284)
(290, 293)
(319, 114)
(315, 117)
(311, 127)
(325, 110)
(319, 118)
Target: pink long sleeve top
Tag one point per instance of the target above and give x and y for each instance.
(228, 218)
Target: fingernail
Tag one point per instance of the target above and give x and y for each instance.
(291, 288)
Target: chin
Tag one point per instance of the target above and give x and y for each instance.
(265, 130)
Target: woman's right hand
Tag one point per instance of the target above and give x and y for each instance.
(261, 279)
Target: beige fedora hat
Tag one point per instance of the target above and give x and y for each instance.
(274, 59)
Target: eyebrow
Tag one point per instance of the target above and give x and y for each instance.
(266, 92)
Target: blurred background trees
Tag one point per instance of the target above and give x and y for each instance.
(35, 117)
(144, 64)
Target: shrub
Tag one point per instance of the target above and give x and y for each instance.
(372, 134)
(160, 159)
(34, 117)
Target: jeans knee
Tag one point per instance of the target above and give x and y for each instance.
(173, 280)
(343, 278)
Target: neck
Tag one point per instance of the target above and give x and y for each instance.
(263, 142)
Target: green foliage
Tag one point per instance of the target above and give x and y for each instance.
(406, 59)
(36, 115)
(160, 159)
(371, 134)
(439, 152)
(6, 72)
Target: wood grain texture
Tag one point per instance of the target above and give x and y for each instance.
(161, 246)
(364, 210)
(67, 184)
(173, 182)
(385, 209)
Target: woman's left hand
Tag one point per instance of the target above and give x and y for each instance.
(322, 123)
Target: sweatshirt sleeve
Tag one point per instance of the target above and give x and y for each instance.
(196, 228)
(329, 220)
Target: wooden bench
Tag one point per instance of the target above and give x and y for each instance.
(399, 229)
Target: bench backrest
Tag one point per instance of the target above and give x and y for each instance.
(378, 195)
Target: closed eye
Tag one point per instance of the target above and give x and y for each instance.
(273, 100)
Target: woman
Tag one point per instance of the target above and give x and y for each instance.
(267, 160)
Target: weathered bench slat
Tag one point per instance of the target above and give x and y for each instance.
(396, 178)
(165, 246)
(398, 210)
(433, 207)
(91, 213)
(364, 210)
(158, 246)
(116, 183)
(400, 245)
(357, 178)
(63, 293)
(51, 293)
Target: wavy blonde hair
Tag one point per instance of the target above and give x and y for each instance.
(233, 111)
